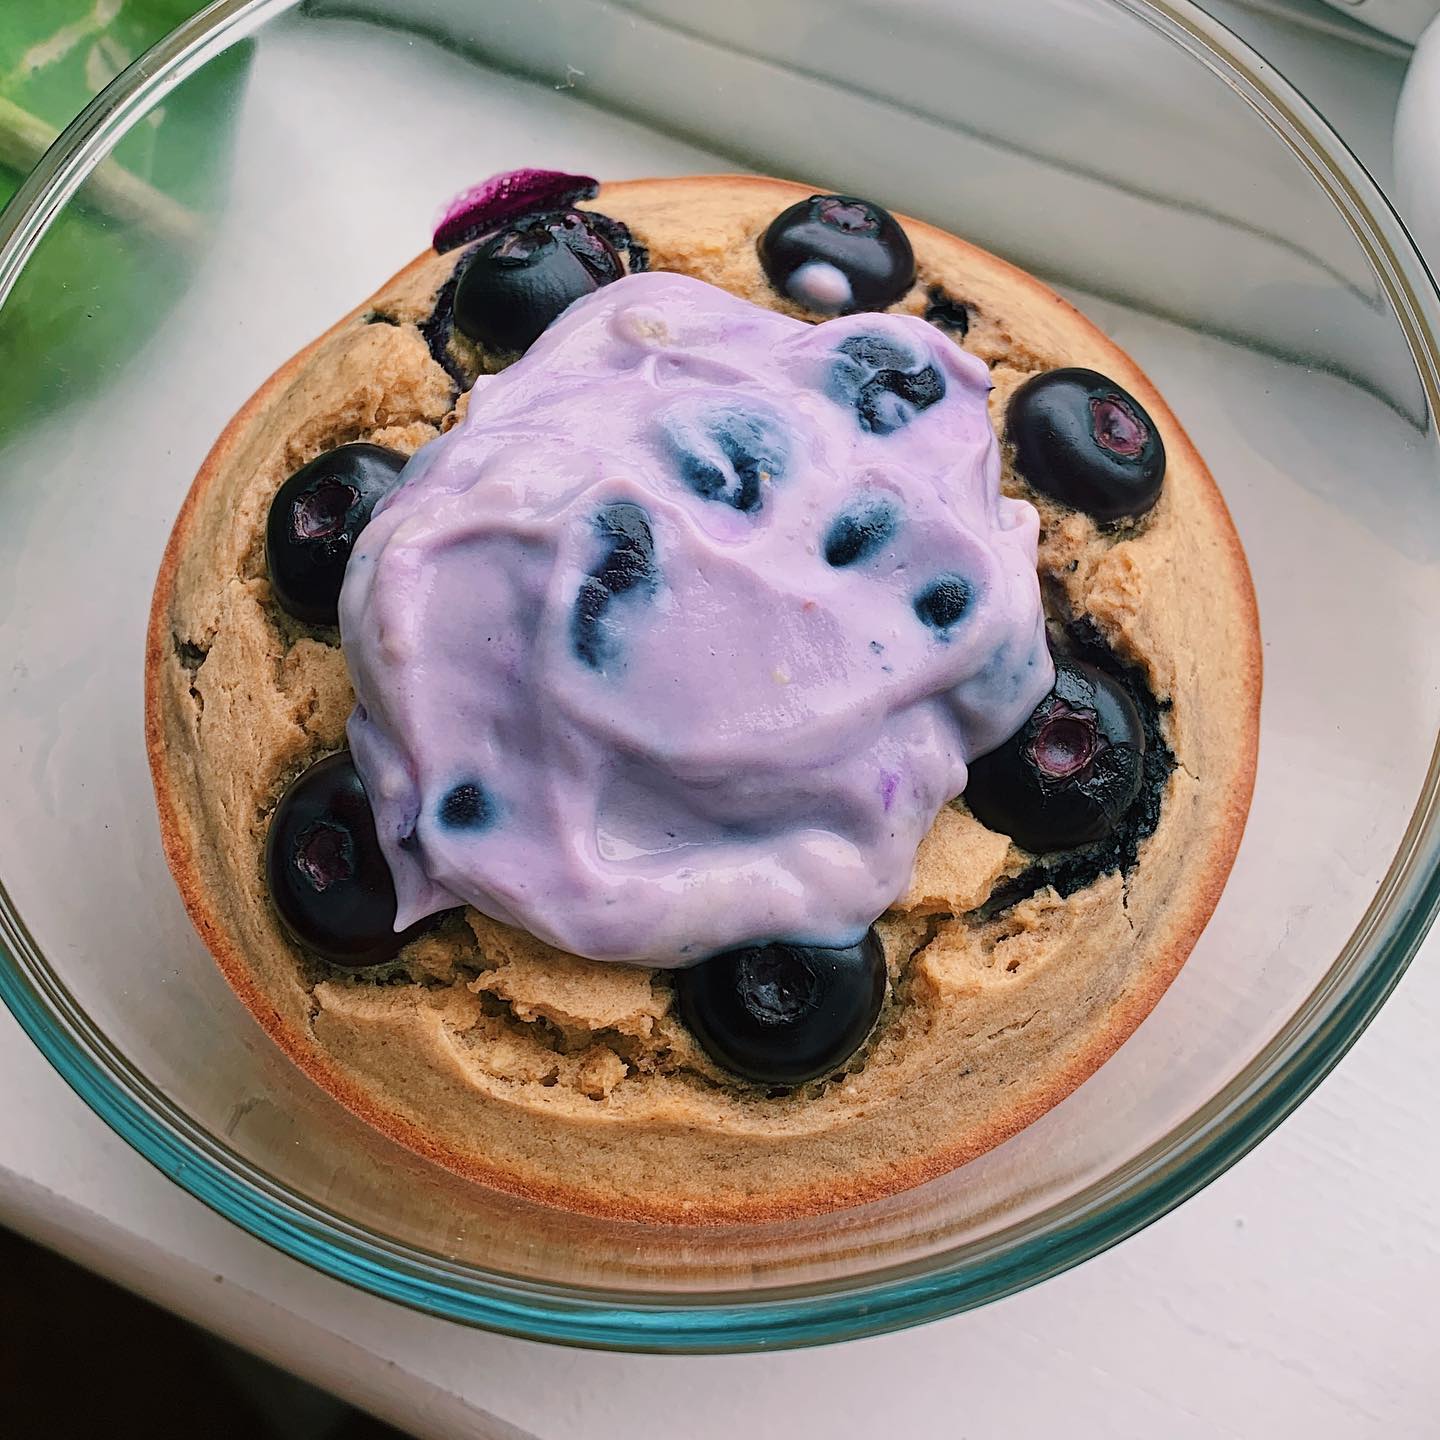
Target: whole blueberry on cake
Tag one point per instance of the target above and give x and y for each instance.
(702, 699)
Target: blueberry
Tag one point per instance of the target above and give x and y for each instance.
(626, 566)
(728, 454)
(522, 277)
(784, 1014)
(838, 254)
(943, 602)
(326, 873)
(1071, 773)
(860, 530)
(1084, 441)
(314, 520)
(466, 806)
(885, 383)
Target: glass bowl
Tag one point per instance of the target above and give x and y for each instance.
(1133, 153)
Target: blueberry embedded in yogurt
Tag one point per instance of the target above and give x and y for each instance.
(861, 530)
(836, 255)
(634, 599)
(886, 384)
(467, 807)
(625, 570)
(731, 452)
(943, 603)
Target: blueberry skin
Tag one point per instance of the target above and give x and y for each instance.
(523, 277)
(626, 567)
(1087, 442)
(862, 241)
(783, 1014)
(325, 870)
(314, 520)
(1073, 770)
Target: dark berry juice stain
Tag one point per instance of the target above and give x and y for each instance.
(189, 654)
(440, 326)
(947, 314)
(617, 235)
(1072, 870)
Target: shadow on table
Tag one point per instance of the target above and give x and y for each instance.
(80, 1357)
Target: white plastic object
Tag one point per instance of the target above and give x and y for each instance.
(1417, 155)
(1405, 19)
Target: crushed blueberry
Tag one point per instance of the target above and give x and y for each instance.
(784, 1014)
(860, 530)
(1086, 442)
(946, 313)
(838, 254)
(943, 602)
(728, 454)
(314, 521)
(626, 566)
(886, 384)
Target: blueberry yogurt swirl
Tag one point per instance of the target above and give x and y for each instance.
(680, 640)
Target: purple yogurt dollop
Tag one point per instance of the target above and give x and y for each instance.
(609, 686)
(505, 197)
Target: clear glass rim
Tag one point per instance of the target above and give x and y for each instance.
(888, 1298)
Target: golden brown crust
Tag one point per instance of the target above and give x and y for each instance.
(613, 1123)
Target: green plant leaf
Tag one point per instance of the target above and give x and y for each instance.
(104, 274)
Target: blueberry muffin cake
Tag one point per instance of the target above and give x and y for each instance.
(700, 700)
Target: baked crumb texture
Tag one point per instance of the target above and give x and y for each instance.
(573, 1082)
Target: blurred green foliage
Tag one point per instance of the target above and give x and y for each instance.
(102, 276)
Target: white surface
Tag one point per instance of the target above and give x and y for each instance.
(1291, 1298)
(1294, 1297)
(1417, 157)
(1405, 18)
